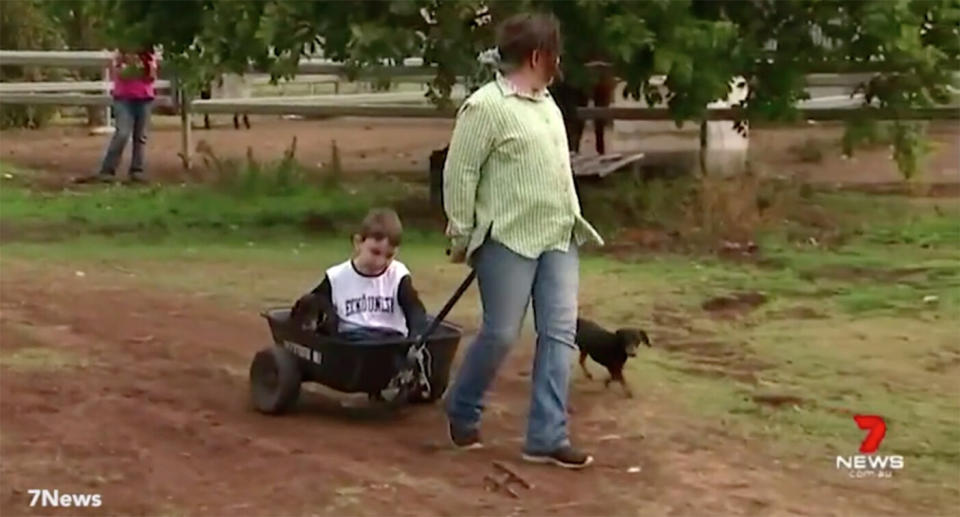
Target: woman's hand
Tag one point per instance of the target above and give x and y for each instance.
(457, 254)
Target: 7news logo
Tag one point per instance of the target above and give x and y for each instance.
(867, 464)
(53, 499)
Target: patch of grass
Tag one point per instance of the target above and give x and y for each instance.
(866, 340)
(174, 207)
(893, 254)
(693, 212)
(282, 249)
(878, 380)
(837, 368)
(235, 270)
(901, 365)
(246, 199)
(627, 199)
(39, 359)
(22, 350)
(873, 219)
(251, 178)
(925, 231)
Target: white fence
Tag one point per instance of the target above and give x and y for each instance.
(834, 106)
(66, 86)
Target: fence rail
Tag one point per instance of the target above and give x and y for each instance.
(71, 99)
(818, 114)
(67, 86)
(57, 58)
(378, 98)
(330, 106)
(253, 106)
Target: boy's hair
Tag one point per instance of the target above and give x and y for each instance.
(382, 223)
(519, 35)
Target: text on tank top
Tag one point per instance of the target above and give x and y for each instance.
(369, 302)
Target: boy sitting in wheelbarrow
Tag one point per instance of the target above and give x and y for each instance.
(371, 296)
(369, 317)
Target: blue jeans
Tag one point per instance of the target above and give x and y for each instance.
(507, 281)
(133, 117)
(368, 334)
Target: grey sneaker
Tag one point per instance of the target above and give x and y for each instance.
(566, 457)
(465, 439)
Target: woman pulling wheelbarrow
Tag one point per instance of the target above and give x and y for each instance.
(514, 216)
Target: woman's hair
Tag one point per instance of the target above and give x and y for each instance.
(521, 34)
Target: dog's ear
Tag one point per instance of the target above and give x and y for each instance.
(633, 336)
(300, 307)
(627, 338)
(644, 338)
(303, 312)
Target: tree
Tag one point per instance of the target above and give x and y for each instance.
(24, 25)
(700, 46)
(212, 37)
(80, 24)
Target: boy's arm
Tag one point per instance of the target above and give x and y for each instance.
(412, 307)
(323, 289)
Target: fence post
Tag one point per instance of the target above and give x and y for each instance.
(723, 150)
(185, 128)
(107, 126)
(108, 111)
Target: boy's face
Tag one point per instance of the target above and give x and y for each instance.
(372, 256)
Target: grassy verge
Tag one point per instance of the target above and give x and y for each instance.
(256, 203)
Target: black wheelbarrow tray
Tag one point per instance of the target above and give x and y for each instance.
(387, 370)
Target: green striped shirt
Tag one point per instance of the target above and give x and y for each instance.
(508, 172)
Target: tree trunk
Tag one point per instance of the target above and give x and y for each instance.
(185, 137)
(703, 148)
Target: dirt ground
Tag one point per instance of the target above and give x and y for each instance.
(142, 398)
(391, 145)
(404, 145)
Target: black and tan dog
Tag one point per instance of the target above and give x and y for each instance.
(610, 349)
(314, 313)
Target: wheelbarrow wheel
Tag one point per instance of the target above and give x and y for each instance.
(274, 380)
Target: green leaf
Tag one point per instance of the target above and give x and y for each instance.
(663, 61)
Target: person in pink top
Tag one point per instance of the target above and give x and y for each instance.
(133, 74)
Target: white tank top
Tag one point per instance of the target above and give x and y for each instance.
(365, 301)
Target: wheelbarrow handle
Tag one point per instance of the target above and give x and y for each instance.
(435, 324)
